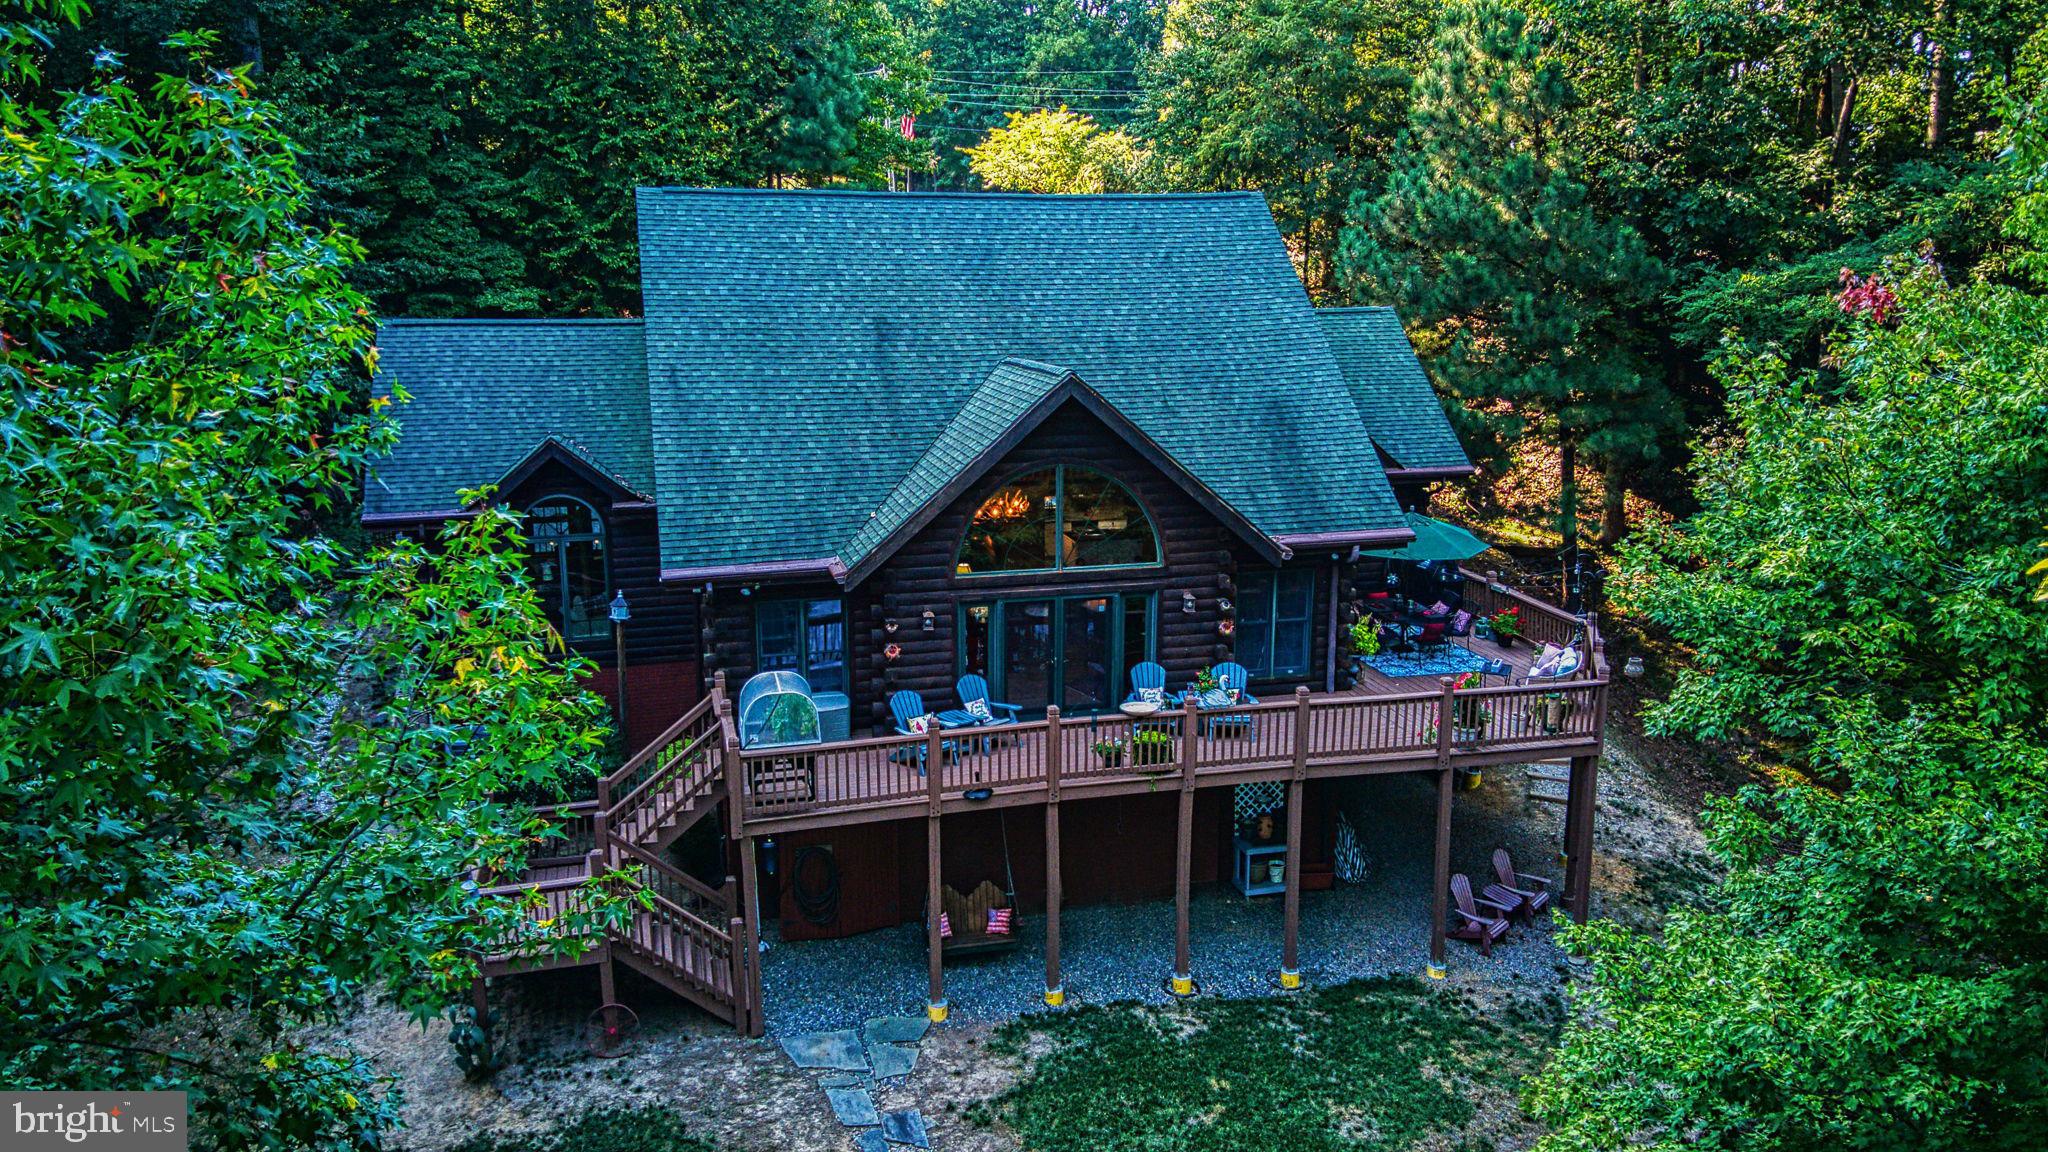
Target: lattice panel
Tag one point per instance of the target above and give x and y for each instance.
(1251, 801)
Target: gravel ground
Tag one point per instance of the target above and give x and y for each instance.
(1111, 952)
(747, 1095)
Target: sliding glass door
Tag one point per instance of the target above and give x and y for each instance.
(1074, 651)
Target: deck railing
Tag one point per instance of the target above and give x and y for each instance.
(886, 775)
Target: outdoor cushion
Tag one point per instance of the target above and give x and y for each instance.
(979, 710)
(999, 921)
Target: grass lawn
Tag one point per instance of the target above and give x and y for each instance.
(1369, 1065)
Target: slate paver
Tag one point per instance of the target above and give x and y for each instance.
(843, 1080)
(895, 1029)
(891, 1060)
(905, 1128)
(870, 1140)
(853, 1107)
(840, 1050)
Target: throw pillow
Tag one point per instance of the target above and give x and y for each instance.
(1153, 695)
(999, 921)
(1546, 661)
(1461, 623)
(919, 725)
(945, 926)
(979, 710)
(1438, 609)
(1567, 662)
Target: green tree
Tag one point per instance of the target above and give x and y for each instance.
(244, 771)
(1299, 99)
(1874, 972)
(1486, 237)
(989, 58)
(1060, 151)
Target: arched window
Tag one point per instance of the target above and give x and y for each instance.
(566, 538)
(1058, 518)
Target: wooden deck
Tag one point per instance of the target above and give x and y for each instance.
(1386, 724)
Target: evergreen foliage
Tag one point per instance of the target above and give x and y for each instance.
(1486, 236)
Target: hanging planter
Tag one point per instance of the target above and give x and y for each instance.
(1226, 628)
(892, 651)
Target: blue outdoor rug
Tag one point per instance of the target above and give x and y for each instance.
(1446, 661)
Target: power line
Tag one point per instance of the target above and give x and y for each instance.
(1023, 106)
(1035, 72)
(1052, 88)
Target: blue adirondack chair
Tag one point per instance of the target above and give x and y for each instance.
(1147, 675)
(1233, 676)
(907, 705)
(974, 687)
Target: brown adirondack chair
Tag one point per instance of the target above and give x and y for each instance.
(1482, 928)
(1521, 893)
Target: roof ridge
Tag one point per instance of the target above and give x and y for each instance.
(856, 193)
(1356, 308)
(507, 321)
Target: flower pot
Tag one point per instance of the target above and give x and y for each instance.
(1467, 779)
(1276, 871)
(1504, 639)
(1112, 759)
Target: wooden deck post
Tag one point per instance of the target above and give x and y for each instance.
(1055, 985)
(1290, 937)
(607, 984)
(934, 776)
(748, 944)
(1440, 893)
(1182, 982)
(1580, 796)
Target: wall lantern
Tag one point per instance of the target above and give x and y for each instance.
(1187, 602)
(930, 621)
(1633, 669)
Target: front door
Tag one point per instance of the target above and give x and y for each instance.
(1074, 651)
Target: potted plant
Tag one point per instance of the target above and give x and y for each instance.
(1365, 637)
(1151, 748)
(1111, 752)
(1506, 624)
(1472, 714)
(1205, 681)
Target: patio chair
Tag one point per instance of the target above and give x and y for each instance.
(1233, 678)
(1518, 891)
(1469, 922)
(972, 688)
(907, 706)
(1147, 676)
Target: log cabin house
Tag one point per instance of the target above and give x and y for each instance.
(885, 441)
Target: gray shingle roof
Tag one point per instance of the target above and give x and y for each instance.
(805, 349)
(487, 393)
(1393, 394)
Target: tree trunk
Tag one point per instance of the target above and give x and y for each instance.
(1568, 492)
(1613, 503)
(1844, 113)
(251, 43)
(1940, 74)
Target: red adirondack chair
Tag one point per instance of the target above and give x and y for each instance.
(1520, 892)
(1471, 924)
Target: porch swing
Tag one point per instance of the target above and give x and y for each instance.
(968, 915)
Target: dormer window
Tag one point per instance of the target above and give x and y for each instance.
(1058, 518)
(566, 555)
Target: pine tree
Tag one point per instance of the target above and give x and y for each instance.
(1486, 236)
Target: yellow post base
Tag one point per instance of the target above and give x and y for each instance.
(1436, 971)
(936, 1013)
(1181, 985)
(1054, 997)
(1290, 980)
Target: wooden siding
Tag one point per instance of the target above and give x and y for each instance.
(1199, 554)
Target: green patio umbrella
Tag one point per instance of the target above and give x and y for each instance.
(1434, 540)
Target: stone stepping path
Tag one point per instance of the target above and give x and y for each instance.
(905, 1128)
(853, 1107)
(884, 1048)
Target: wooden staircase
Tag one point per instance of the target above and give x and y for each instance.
(684, 935)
